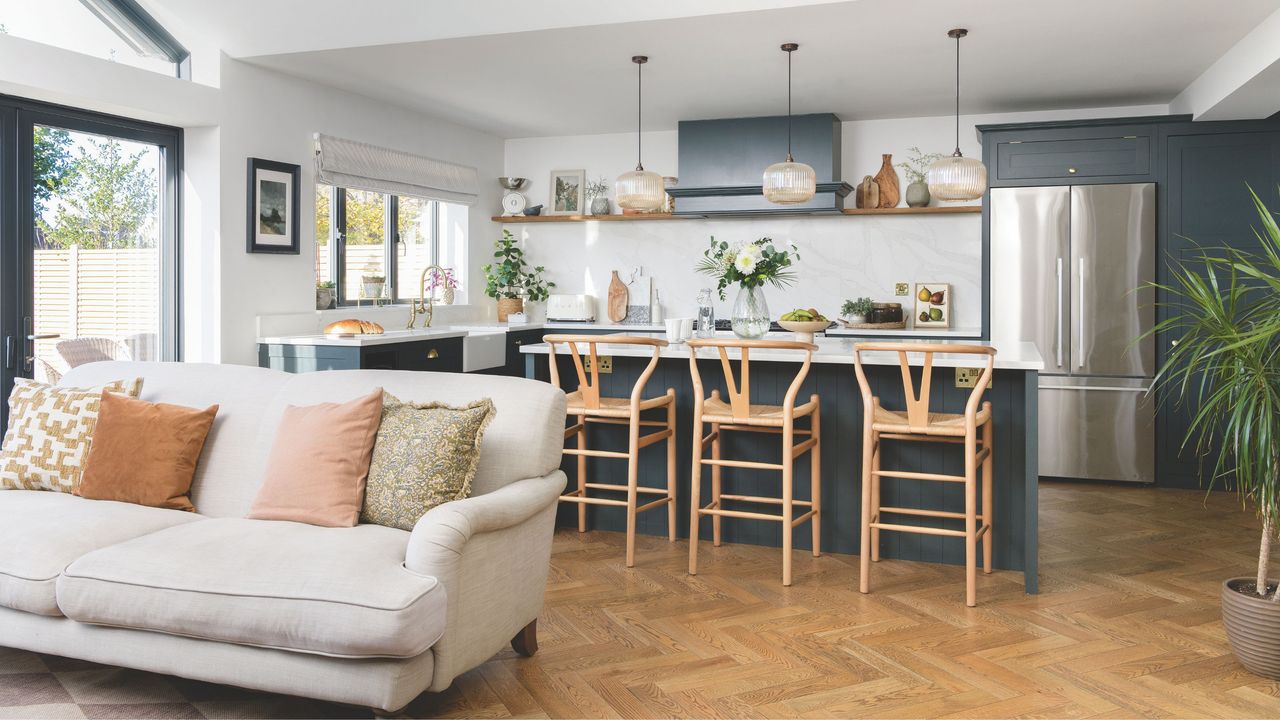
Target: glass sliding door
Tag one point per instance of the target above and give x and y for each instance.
(91, 238)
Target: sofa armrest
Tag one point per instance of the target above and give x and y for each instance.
(492, 554)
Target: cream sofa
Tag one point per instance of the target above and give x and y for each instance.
(368, 615)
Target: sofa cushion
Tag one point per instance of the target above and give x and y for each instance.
(230, 468)
(42, 532)
(330, 591)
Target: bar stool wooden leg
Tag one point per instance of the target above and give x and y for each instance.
(864, 548)
(988, 509)
(815, 478)
(582, 473)
(788, 490)
(875, 496)
(695, 491)
(715, 485)
(671, 466)
(970, 520)
(633, 479)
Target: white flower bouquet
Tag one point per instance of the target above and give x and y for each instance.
(748, 264)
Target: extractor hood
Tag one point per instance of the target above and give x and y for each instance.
(722, 162)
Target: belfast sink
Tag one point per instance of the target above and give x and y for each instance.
(483, 350)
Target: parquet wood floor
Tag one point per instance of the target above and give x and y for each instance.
(1127, 625)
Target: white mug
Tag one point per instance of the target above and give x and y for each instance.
(674, 330)
(686, 328)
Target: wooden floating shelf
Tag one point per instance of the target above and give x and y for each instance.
(649, 217)
(940, 210)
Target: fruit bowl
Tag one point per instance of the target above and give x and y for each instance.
(804, 329)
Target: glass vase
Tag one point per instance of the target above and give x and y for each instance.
(750, 314)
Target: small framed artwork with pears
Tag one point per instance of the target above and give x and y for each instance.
(933, 305)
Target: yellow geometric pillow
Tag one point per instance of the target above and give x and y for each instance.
(50, 429)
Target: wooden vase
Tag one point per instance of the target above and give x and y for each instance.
(508, 306)
(887, 180)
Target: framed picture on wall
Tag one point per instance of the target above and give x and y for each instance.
(273, 207)
(567, 192)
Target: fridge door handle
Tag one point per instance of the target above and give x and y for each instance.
(1061, 303)
(1144, 389)
(1079, 348)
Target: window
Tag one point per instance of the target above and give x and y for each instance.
(375, 246)
(116, 30)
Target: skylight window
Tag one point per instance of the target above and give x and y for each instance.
(113, 30)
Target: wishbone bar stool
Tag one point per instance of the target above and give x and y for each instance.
(589, 407)
(738, 414)
(917, 423)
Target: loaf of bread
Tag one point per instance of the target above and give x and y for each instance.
(353, 327)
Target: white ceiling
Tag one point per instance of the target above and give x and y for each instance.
(868, 59)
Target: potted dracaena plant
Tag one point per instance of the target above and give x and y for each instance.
(510, 281)
(1225, 367)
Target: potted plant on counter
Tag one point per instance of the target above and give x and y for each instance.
(855, 312)
(1225, 365)
(324, 294)
(510, 281)
(916, 169)
(749, 266)
(442, 279)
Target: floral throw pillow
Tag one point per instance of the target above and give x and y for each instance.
(50, 430)
(425, 455)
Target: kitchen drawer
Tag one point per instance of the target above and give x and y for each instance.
(444, 355)
(308, 358)
(1093, 157)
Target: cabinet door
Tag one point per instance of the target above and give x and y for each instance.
(1097, 157)
(1209, 207)
(517, 339)
(443, 355)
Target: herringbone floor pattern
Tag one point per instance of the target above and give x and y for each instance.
(1127, 625)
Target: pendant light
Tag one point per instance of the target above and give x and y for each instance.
(639, 189)
(790, 182)
(957, 177)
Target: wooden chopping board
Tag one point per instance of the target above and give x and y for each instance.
(617, 299)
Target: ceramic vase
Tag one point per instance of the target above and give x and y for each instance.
(600, 206)
(324, 298)
(918, 194)
(446, 297)
(750, 319)
(1253, 627)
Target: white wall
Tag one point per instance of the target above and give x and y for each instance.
(842, 257)
(273, 116)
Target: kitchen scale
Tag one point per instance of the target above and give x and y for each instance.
(513, 202)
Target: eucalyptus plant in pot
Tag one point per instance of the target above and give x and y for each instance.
(1225, 366)
(510, 281)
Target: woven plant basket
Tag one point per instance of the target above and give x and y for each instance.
(507, 306)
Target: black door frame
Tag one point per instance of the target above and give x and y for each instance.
(18, 116)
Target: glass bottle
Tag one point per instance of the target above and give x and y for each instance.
(706, 314)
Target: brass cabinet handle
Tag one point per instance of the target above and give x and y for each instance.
(1071, 171)
(519, 342)
(432, 354)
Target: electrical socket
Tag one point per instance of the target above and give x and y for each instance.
(606, 363)
(968, 377)
(900, 289)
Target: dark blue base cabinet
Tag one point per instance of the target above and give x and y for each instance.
(1013, 396)
(438, 355)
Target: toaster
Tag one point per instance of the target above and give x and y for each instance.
(581, 308)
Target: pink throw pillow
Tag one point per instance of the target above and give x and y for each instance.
(319, 464)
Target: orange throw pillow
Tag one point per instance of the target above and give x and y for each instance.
(145, 453)
(319, 464)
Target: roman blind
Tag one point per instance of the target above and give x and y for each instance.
(361, 166)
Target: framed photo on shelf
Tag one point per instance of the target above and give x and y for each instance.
(933, 305)
(272, 207)
(568, 192)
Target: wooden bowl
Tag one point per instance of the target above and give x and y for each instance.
(804, 330)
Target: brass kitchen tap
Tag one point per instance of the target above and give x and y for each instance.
(423, 304)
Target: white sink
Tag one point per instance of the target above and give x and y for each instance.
(484, 350)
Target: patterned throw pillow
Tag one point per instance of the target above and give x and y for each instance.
(50, 429)
(425, 455)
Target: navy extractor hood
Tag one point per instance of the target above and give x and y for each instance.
(722, 162)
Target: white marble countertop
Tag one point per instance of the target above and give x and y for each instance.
(385, 338)
(837, 351)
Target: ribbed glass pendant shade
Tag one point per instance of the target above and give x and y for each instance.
(789, 183)
(957, 178)
(640, 190)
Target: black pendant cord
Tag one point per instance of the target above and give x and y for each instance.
(789, 158)
(957, 152)
(640, 112)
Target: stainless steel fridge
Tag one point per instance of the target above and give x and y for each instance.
(1066, 267)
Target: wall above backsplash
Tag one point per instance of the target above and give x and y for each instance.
(840, 258)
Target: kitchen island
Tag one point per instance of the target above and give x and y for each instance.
(1013, 395)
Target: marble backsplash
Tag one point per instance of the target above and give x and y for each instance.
(840, 258)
